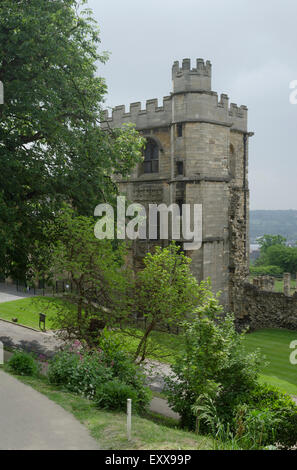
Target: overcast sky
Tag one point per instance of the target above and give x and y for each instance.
(252, 45)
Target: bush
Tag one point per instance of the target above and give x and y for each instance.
(215, 364)
(78, 373)
(124, 368)
(83, 371)
(22, 363)
(267, 399)
(113, 395)
(255, 428)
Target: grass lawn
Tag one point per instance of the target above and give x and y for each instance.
(275, 345)
(27, 310)
(109, 428)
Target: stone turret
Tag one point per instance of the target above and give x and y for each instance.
(186, 78)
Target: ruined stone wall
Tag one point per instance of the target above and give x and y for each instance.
(238, 213)
(257, 309)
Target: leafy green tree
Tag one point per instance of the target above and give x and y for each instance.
(267, 241)
(52, 147)
(96, 276)
(166, 292)
(283, 256)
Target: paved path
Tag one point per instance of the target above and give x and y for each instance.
(30, 421)
(29, 340)
(9, 292)
(155, 372)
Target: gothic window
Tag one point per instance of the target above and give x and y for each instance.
(151, 157)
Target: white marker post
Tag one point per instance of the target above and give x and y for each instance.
(1, 93)
(1, 353)
(129, 409)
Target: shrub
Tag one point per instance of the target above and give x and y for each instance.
(22, 363)
(113, 395)
(124, 368)
(267, 399)
(214, 363)
(255, 428)
(83, 371)
(78, 373)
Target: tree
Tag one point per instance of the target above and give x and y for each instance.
(52, 147)
(277, 255)
(270, 240)
(283, 256)
(165, 292)
(96, 275)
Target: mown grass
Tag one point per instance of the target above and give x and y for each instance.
(109, 428)
(275, 345)
(27, 310)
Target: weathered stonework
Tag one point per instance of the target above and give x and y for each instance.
(208, 139)
(257, 308)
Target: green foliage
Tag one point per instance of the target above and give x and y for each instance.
(267, 241)
(166, 292)
(97, 273)
(83, 371)
(276, 257)
(113, 396)
(272, 415)
(22, 363)
(274, 271)
(285, 257)
(52, 146)
(123, 367)
(214, 363)
(78, 372)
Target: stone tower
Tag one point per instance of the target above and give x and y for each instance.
(197, 152)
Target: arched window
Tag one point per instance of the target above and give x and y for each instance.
(151, 157)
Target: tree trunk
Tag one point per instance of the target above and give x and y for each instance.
(143, 342)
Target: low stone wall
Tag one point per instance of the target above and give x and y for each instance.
(257, 308)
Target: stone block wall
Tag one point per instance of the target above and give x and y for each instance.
(257, 308)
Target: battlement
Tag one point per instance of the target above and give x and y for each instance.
(186, 78)
(192, 100)
(152, 116)
(202, 68)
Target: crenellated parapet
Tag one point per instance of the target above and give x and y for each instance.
(192, 100)
(186, 78)
(152, 116)
(239, 117)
